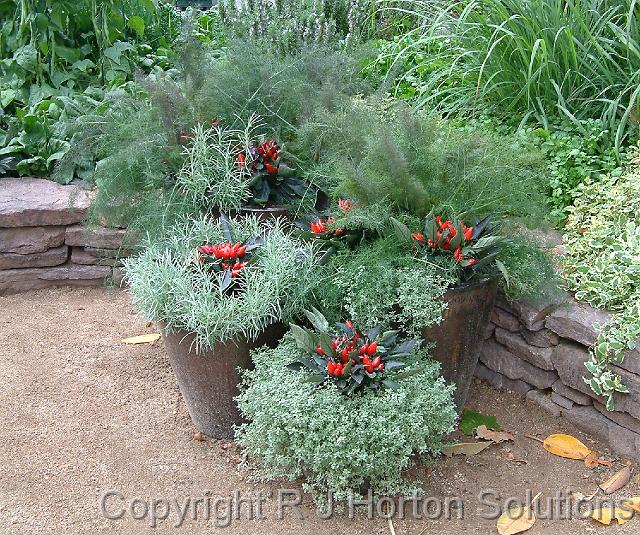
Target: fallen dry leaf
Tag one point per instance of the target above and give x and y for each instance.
(465, 448)
(617, 480)
(606, 515)
(566, 446)
(510, 457)
(142, 339)
(517, 519)
(593, 460)
(494, 436)
(633, 503)
(199, 436)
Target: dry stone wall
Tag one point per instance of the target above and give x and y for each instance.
(42, 240)
(540, 351)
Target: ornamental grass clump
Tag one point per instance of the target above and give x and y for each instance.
(222, 281)
(338, 439)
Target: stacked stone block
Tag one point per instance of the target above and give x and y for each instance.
(42, 242)
(540, 351)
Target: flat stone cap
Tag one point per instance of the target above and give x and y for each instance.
(35, 202)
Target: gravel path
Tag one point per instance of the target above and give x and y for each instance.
(82, 414)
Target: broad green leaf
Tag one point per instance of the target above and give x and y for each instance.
(471, 420)
(136, 23)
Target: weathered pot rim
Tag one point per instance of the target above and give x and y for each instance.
(473, 285)
(263, 209)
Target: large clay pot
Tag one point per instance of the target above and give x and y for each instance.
(459, 337)
(208, 380)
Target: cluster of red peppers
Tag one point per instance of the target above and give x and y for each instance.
(229, 256)
(446, 235)
(351, 359)
(263, 157)
(348, 349)
(321, 227)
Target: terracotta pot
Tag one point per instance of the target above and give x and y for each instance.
(208, 380)
(459, 337)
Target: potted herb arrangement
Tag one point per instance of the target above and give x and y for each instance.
(402, 171)
(472, 254)
(345, 409)
(227, 170)
(218, 288)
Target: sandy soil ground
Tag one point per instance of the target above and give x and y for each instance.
(83, 415)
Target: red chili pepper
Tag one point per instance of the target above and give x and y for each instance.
(344, 205)
(271, 169)
(381, 367)
(319, 350)
(373, 347)
(318, 227)
(376, 362)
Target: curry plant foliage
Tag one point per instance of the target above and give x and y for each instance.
(603, 267)
(169, 285)
(341, 442)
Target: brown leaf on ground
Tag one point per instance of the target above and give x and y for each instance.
(497, 437)
(593, 460)
(466, 448)
(566, 446)
(199, 437)
(617, 480)
(606, 515)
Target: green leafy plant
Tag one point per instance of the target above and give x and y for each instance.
(167, 285)
(601, 264)
(210, 177)
(339, 442)
(576, 154)
(383, 282)
(352, 359)
(471, 420)
(283, 89)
